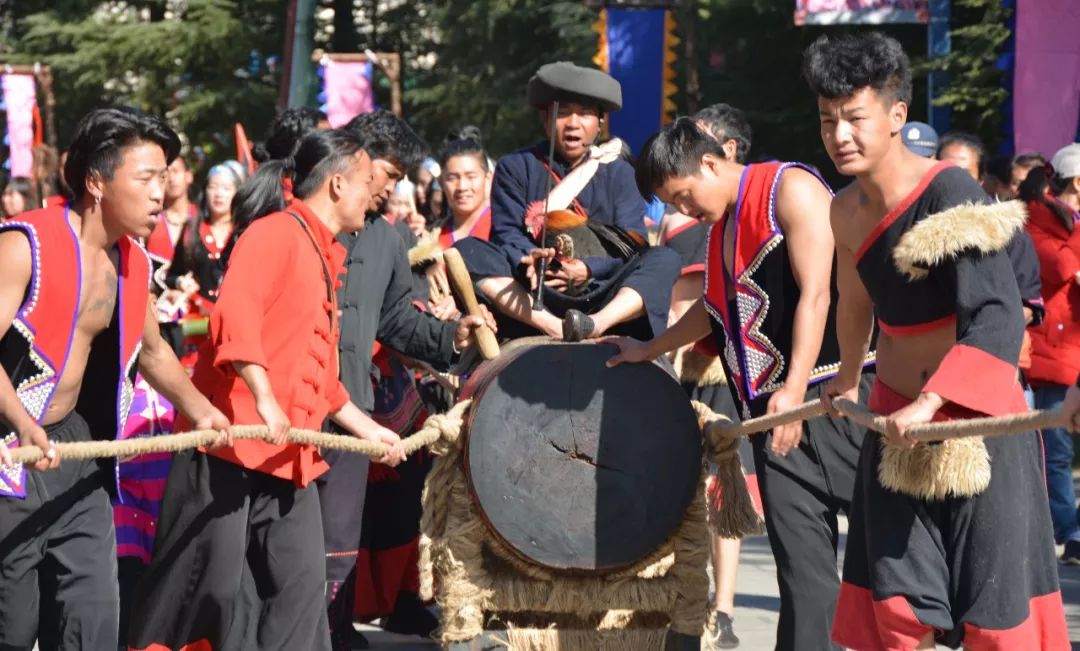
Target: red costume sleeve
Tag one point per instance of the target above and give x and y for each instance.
(251, 283)
(338, 397)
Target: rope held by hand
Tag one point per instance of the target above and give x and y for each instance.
(722, 427)
(427, 435)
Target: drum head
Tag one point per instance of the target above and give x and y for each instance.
(576, 466)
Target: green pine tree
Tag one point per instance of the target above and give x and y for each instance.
(200, 63)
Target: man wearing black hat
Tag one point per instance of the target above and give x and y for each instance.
(615, 281)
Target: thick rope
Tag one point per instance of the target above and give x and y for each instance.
(718, 427)
(431, 432)
(722, 427)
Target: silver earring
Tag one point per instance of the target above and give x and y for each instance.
(97, 200)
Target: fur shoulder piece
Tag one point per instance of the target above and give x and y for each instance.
(985, 228)
(426, 251)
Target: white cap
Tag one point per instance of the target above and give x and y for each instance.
(1066, 162)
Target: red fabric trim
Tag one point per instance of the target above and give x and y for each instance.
(866, 624)
(1043, 629)
(885, 400)
(381, 575)
(198, 645)
(917, 328)
(693, 269)
(977, 380)
(675, 231)
(899, 209)
(54, 201)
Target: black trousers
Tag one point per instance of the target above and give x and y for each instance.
(802, 494)
(342, 490)
(238, 563)
(58, 557)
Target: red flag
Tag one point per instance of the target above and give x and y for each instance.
(243, 149)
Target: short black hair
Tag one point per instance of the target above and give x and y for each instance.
(463, 147)
(839, 66)
(969, 140)
(1000, 168)
(101, 136)
(728, 123)
(466, 132)
(675, 151)
(388, 137)
(285, 133)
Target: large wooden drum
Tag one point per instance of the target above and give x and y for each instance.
(575, 466)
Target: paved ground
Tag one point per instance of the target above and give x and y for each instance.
(757, 604)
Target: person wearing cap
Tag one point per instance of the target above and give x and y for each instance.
(1052, 194)
(630, 293)
(920, 138)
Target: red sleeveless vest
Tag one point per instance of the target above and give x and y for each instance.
(34, 352)
(754, 327)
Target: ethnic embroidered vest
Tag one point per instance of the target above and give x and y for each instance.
(34, 352)
(754, 327)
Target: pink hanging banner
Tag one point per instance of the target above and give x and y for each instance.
(841, 12)
(20, 97)
(347, 85)
(1046, 82)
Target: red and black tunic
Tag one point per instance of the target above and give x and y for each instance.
(972, 570)
(34, 352)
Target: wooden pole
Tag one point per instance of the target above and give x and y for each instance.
(286, 69)
(693, 80)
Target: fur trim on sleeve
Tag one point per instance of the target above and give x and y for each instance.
(985, 228)
(426, 251)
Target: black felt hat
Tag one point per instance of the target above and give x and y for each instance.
(566, 82)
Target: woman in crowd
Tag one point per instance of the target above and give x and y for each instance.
(1052, 194)
(196, 267)
(18, 197)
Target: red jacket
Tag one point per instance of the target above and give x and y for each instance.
(1055, 353)
(274, 312)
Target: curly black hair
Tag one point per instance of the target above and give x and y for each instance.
(286, 131)
(839, 66)
(388, 137)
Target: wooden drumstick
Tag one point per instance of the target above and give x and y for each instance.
(462, 282)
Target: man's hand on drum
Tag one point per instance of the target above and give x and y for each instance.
(630, 351)
(466, 326)
(530, 263)
(570, 272)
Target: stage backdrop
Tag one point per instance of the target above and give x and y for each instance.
(636, 47)
(835, 12)
(1046, 81)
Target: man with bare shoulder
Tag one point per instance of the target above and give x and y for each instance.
(949, 543)
(767, 304)
(75, 325)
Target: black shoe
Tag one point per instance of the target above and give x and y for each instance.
(1072, 553)
(359, 641)
(720, 633)
(576, 325)
(411, 617)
